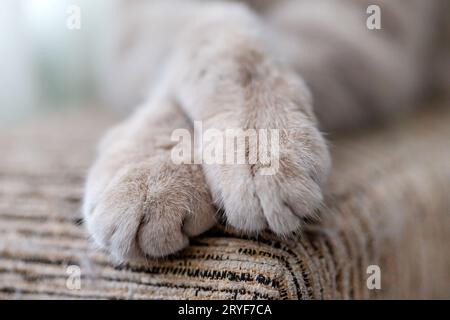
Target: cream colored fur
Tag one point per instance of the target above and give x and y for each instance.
(231, 66)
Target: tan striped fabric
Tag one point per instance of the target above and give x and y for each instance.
(387, 205)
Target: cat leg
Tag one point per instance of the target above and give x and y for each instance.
(138, 203)
(223, 74)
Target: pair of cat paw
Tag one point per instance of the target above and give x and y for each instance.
(140, 204)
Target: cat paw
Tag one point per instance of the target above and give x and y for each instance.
(150, 209)
(253, 201)
(279, 194)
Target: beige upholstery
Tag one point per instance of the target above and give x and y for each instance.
(387, 205)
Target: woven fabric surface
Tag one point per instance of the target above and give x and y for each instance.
(387, 204)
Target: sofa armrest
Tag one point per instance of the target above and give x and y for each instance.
(387, 205)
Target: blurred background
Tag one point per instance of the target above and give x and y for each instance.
(48, 62)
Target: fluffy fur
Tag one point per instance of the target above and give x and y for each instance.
(231, 66)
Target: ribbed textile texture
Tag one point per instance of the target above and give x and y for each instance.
(387, 204)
